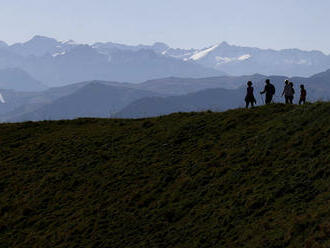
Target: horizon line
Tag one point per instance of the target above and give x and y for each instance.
(155, 42)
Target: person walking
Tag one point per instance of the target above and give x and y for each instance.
(303, 94)
(286, 91)
(269, 90)
(291, 93)
(249, 98)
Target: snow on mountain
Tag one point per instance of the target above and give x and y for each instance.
(52, 61)
(2, 100)
(58, 54)
(37, 46)
(244, 57)
(69, 42)
(61, 62)
(224, 60)
(203, 53)
(237, 60)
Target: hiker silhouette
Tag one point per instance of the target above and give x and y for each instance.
(269, 90)
(303, 94)
(291, 93)
(286, 91)
(249, 98)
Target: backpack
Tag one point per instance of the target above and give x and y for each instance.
(272, 89)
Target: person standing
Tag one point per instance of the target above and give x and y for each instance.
(269, 90)
(286, 91)
(249, 98)
(291, 93)
(303, 94)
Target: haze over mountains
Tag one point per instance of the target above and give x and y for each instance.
(46, 79)
(148, 99)
(58, 63)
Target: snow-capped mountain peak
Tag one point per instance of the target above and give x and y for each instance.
(69, 42)
(244, 57)
(201, 54)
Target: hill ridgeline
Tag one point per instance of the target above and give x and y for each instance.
(241, 178)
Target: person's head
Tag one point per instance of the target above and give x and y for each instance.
(291, 84)
(249, 83)
(267, 81)
(286, 82)
(302, 86)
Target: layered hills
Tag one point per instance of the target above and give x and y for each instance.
(150, 98)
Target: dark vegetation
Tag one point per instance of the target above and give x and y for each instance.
(242, 178)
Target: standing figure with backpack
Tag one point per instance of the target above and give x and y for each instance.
(269, 90)
(291, 93)
(303, 94)
(286, 91)
(249, 98)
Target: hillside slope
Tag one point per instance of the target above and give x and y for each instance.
(17, 79)
(211, 99)
(94, 99)
(242, 178)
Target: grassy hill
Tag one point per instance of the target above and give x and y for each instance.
(242, 178)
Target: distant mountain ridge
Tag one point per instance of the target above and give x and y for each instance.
(209, 99)
(151, 98)
(88, 99)
(17, 79)
(57, 63)
(212, 97)
(237, 60)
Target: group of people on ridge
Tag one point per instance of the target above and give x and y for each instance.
(269, 90)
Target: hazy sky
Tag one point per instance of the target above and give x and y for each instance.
(180, 23)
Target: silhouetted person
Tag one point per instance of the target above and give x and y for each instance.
(303, 95)
(286, 91)
(269, 90)
(249, 99)
(291, 93)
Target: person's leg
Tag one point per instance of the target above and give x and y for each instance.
(246, 104)
(267, 100)
(270, 98)
(252, 104)
(300, 101)
(286, 99)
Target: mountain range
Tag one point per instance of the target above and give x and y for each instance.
(58, 63)
(17, 79)
(220, 99)
(47, 79)
(151, 98)
(238, 60)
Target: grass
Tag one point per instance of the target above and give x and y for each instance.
(242, 178)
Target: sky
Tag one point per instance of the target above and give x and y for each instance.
(275, 24)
